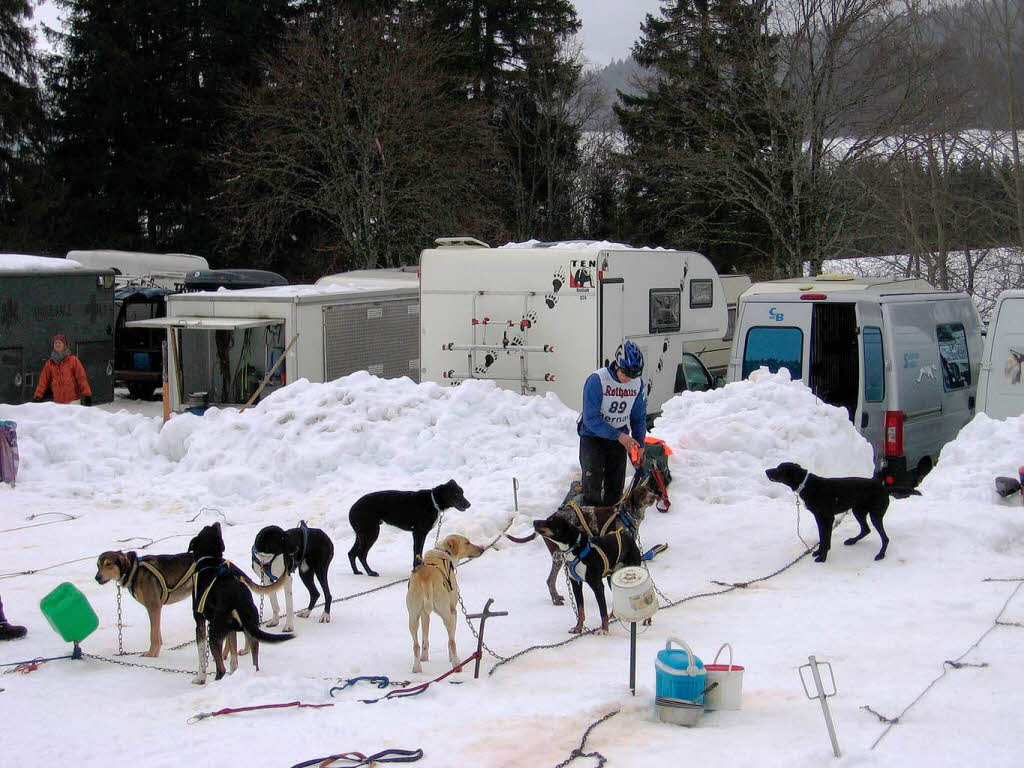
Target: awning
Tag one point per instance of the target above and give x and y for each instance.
(206, 323)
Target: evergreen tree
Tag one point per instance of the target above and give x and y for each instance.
(20, 114)
(703, 58)
(141, 89)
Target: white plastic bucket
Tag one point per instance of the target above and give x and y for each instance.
(728, 694)
(678, 711)
(633, 596)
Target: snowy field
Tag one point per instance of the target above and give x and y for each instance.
(310, 450)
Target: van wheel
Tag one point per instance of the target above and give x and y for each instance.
(924, 466)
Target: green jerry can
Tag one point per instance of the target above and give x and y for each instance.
(69, 613)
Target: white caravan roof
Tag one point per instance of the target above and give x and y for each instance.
(834, 283)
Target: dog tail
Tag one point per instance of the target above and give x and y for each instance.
(902, 494)
(251, 625)
(259, 589)
(531, 537)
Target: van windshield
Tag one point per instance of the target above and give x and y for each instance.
(774, 348)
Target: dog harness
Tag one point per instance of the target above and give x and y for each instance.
(200, 602)
(585, 551)
(447, 568)
(165, 591)
(263, 562)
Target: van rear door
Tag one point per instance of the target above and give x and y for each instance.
(1004, 378)
(773, 333)
(870, 417)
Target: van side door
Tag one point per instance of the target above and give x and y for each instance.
(873, 386)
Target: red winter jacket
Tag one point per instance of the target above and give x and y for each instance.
(66, 380)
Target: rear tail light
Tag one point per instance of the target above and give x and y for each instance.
(894, 433)
(813, 296)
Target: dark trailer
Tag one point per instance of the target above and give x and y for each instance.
(40, 297)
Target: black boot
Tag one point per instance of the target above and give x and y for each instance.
(9, 631)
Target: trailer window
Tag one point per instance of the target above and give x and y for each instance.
(775, 348)
(874, 365)
(956, 366)
(664, 310)
(702, 294)
(731, 329)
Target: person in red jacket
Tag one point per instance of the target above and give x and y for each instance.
(64, 376)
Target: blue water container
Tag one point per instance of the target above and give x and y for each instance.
(140, 361)
(679, 674)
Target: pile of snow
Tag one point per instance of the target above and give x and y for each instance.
(723, 440)
(19, 262)
(985, 449)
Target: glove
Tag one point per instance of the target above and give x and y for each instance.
(37, 399)
(87, 400)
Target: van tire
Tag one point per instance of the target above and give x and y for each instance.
(139, 390)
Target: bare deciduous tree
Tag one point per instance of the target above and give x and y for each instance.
(359, 147)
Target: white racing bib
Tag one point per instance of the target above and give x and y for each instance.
(617, 398)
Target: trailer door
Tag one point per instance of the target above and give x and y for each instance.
(612, 318)
(12, 377)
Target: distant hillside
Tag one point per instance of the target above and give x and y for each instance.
(617, 76)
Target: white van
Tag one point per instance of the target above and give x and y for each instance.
(902, 358)
(1001, 383)
(714, 354)
(164, 270)
(538, 318)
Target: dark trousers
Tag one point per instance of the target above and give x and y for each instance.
(604, 470)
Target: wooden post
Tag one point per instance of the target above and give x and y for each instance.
(632, 657)
(483, 616)
(173, 336)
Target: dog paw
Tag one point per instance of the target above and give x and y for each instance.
(551, 299)
(199, 680)
(558, 600)
(575, 630)
(288, 628)
(372, 573)
(325, 618)
(602, 631)
(150, 654)
(274, 621)
(244, 652)
(416, 668)
(425, 656)
(303, 614)
(819, 558)
(880, 556)
(848, 542)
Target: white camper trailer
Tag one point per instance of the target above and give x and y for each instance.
(540, 318)
(714, 354)
(1001, 383)
(901, 357)
(223, 344)
(164, 270)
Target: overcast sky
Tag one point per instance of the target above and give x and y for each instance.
(609, 26)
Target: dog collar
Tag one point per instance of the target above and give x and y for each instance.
(803, 482)
(434, 502)
(129, 578)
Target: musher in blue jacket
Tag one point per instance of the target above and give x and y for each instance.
(614, 420)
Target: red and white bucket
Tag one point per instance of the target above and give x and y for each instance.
(728, 694)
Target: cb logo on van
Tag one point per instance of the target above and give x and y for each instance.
(775, 315)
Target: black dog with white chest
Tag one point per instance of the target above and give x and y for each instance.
(595, 558)
(415, 511)
(826, 497)
(306, 550)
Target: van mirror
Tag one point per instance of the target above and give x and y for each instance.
(719, 382)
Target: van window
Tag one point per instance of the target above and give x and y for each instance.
(874, 365)
(775, 348)
(956, 367)
(664, 310)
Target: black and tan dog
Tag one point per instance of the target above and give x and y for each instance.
(591, 559)
(306, 550)
(826, 497)
(415, 511)
(592, 521)
(153, 580)
(433, 587)
(221, 597)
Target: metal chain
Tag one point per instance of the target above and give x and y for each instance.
(578, 752)
(472, 629)
(120, 625)
(136, 664)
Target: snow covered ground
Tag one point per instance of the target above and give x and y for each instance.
(310, 450)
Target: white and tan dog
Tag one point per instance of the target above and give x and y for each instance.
(434, 588)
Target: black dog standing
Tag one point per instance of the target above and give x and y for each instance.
(415, 511)
(826, 497)
(306, 550)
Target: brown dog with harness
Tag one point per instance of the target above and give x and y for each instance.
(153, 580)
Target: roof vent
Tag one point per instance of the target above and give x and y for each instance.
(836, 276)
(461, 242)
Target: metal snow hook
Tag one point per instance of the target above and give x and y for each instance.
(822, 696)
(515, 493)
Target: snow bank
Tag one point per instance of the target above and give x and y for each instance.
(19, 262)
(723, 440)
(967, 467)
